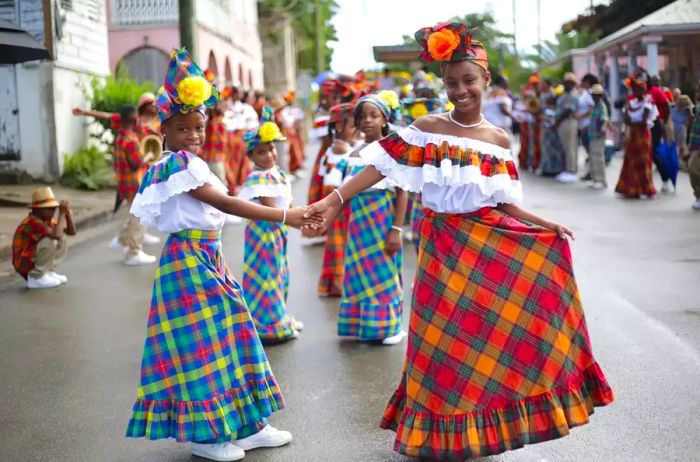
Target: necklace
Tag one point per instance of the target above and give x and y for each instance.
(481, 121)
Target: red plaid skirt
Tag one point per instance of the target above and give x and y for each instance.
(636, 174)
(498, 352)
(524, 145)
(330, 283)
(316, 182)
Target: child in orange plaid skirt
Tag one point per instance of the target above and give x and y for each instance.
(498, 353)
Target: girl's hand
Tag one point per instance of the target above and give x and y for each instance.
(325, 209)
(561, 230)
(297, 218)
(393, 242)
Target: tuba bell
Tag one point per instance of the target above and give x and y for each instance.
(151, 148)
(532, 104)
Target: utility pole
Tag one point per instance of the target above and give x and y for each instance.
(319, 36)
(515, 33)
(188, 27)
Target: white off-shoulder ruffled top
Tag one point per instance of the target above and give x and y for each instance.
(454, 174)
(162, 201)
(267, 183)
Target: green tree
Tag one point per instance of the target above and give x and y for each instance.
(304, 23)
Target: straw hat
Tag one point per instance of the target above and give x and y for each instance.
(43, 198)
(570, 77)
(597, 89)
(146, 98)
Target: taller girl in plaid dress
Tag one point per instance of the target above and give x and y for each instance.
(498, 350)
(205, 378)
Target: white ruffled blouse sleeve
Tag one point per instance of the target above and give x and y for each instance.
(455, 174)
(267, 183)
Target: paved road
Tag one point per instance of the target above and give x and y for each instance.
(70, 357)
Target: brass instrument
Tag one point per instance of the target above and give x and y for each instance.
(151, 148)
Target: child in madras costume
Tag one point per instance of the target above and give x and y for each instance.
(40, 241)
(205, 378)
(498, 351)
(371, 306)
(265, 264)
(341, 132)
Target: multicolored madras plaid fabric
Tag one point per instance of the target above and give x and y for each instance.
(599, 115)
(499, 354)
(27, 235)
(128, 165)
(316, 182)
(266, 279)
(694, 144)
(216, 147)
(330, 283)
(372, 301)
(160, 172)
(416, 219)
(204, 374)
(636, 175)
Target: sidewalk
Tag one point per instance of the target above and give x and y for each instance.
(89, 208)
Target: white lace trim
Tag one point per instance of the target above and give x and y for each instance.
(414, 178)
(147, 204)
(417, 137)
(265, 190)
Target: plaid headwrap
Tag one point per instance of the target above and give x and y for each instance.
(335, 86)
(267, 132)
(450, 42)
(185, 88)
(379, 103)
(340, 112)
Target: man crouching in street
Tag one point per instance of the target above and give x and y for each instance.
(40, 240)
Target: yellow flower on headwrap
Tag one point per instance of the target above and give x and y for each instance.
(390, 97)
(193, 90)
(418, 110)
(559, 90)
(449, 106)
(269, 131)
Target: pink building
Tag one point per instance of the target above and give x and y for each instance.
(142, 32)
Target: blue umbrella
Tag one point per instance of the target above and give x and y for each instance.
(323, 76)
(667, 155)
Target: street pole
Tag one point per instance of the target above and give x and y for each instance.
(319, 38)
(188, 27)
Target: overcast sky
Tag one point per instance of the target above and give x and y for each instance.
(362, 24)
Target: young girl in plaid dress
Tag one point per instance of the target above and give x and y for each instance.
(205, 378)
(265, 264)
(341, 132)
(371, 306)
(498, 350)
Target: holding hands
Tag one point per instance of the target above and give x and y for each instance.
(297, 217)
(324, 209)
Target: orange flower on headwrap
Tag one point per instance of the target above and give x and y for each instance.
(442, 43)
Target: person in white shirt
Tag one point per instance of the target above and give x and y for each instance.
(497, 106)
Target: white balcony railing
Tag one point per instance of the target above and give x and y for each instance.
(143, 12)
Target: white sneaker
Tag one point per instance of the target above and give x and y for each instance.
(666, 186)
(300, 174)
(394, 339)
(44, 282)
(645, 197)
(60, 277)
(117, 246)
(150, 239)
(233, 220)
(139, 259)
(696, 204)
(268, 437)
(223, 452)
(597, 185)
(567, 177)
(298, 325)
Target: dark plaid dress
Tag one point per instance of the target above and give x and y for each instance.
(498, 352)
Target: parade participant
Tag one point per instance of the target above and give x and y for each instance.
(371, 306)
(216, 148)
(265, 263)
(659, 127)
(497, 105)
(291, 118)
(567, 128)
(40, 242)
(527, 118)
(239, 118)
(598, 120)
(682, 117)
(636, 174)
(341, 132)
(498, 351)
(552, 162)
(694, 157)
(129, 168)
(205, 378)
(148, 123)
(583, 114)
